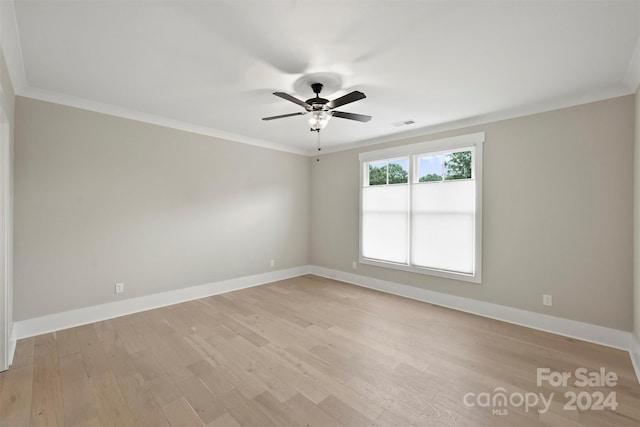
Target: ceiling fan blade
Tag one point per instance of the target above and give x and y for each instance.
(292, 99)
(350, 116)
(302, 113)
(350, 97)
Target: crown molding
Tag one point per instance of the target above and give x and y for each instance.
(113, 110)
(556, 104)
(614, 91)
(550, 105)
(11, 47)
(10, 40)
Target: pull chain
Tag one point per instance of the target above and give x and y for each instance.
(318, 147)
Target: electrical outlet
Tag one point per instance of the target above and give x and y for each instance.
(354, 265)
(273, 263)
(547, 300)
(119, 288)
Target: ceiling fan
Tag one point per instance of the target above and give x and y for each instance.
(322, 109)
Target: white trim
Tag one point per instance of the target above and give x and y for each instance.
(427, 131)
(433, 145)
(609, 337)
(113, 110)
(634, 353)
(614, 91)
(12, 49)
(475, 141)
(569, 328)
(5, 243)
(11, 46)
(82, 316)
(12, 345)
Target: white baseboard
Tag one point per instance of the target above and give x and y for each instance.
(82, 316)
(12, 344)
(609, 337)
(622, 340)
(570, 328)
(634, 352)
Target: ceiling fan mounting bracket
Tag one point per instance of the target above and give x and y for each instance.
(317, 103)
(331, 83)
(317, 88)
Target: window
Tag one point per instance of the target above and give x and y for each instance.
(421, 207)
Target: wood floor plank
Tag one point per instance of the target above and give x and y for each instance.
(146, 364)
(173, 365)
(47, 408)
(229, 316)
(24, 353)
(15, 396)
(164, 389)
(302, 352)
(244, 411)
(239, 353)
(306, 413)
(225, 420)
(110, 404)
(142, 401)
(16, 386)
(201, 399)
(352, 398)
(277, 411)
(181, 414)
(243, 380)
(67, 342)
(77, 398)
(217, 384)
(345, 413)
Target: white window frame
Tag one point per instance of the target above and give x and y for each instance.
(452, 144)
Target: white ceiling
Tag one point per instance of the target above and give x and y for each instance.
(212, 66)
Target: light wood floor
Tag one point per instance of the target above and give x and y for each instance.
(301, 352)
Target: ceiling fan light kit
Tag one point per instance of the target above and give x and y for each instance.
(322, 109)
(318, 120)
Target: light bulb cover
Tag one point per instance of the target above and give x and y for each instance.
(319, 120)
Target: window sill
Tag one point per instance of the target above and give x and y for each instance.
(473, 278)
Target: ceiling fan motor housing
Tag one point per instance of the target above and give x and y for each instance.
(317, 103)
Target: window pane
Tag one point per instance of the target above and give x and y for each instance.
(430, 168)
(457, 165)
(385, 223)
(424, 221)
(442, 226)
(398, 172)
(378, 173)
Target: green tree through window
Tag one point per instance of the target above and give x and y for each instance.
(457, 165)
(397, 174)
(430, 177)
(377, 175)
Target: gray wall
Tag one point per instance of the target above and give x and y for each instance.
(101, 199)
(557, 214)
